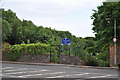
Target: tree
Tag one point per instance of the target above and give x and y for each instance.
(6, 30)
(14, 36)
(103, 22)
(105, 29)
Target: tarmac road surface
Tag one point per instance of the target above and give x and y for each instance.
(56, 71)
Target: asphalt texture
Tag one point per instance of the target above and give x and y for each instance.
(32, 72)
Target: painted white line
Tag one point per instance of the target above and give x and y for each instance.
(14, 76)
(7, 67)
(31, 75)
(42, 74)
(68, 75)
(56, 73)
(38, 71)
(100, 76)
(82, 74)
(26, 72)
(94, 73)
(55, 77)
(15, 73)
(14, 70)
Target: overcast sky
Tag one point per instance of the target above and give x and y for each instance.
(65, 15)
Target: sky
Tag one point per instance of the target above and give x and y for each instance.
(65, 15)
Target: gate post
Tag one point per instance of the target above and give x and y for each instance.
(112, 55)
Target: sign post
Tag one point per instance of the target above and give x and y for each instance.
(114, 40)
(65, 41)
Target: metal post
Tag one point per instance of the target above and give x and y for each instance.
(69, 50)
(76, 51)
(115, 42)
(59, 54)
(50, 56)
(62, 48)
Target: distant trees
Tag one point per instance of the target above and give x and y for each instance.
(16, 31)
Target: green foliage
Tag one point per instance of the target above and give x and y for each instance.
(103, 21)
(6, 30)
(103, 63)
(104, 28)
(15, 51)
(91, 61)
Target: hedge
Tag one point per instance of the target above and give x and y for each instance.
(15, 51)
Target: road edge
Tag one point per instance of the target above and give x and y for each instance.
(51, 64)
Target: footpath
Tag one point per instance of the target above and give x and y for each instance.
(55, 64)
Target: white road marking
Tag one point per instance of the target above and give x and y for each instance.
(55, 77)
(14, 76)
(82, 74)
(96, 73)
(26, 72)
(68, 75)
(32, 75)
(56, 73)
(42, 74)
(15, 70)
(38, 71)
(15, 73)
(7, 67)
(101, 76)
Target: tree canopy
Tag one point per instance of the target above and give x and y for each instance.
(104, 19)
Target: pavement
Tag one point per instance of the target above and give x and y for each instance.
(54, 64)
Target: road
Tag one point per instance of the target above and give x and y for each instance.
(54, 71)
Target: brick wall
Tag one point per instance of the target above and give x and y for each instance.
(112, 55)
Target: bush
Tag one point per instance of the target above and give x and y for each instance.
(103, 63)
(91, 61)
(55, 58)
(15, 51)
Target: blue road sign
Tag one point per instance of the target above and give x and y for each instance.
(66, 41)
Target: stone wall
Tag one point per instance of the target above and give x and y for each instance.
(67, 59)
(112, 55)
(4, 56)
(39, 58)
(44, 58)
